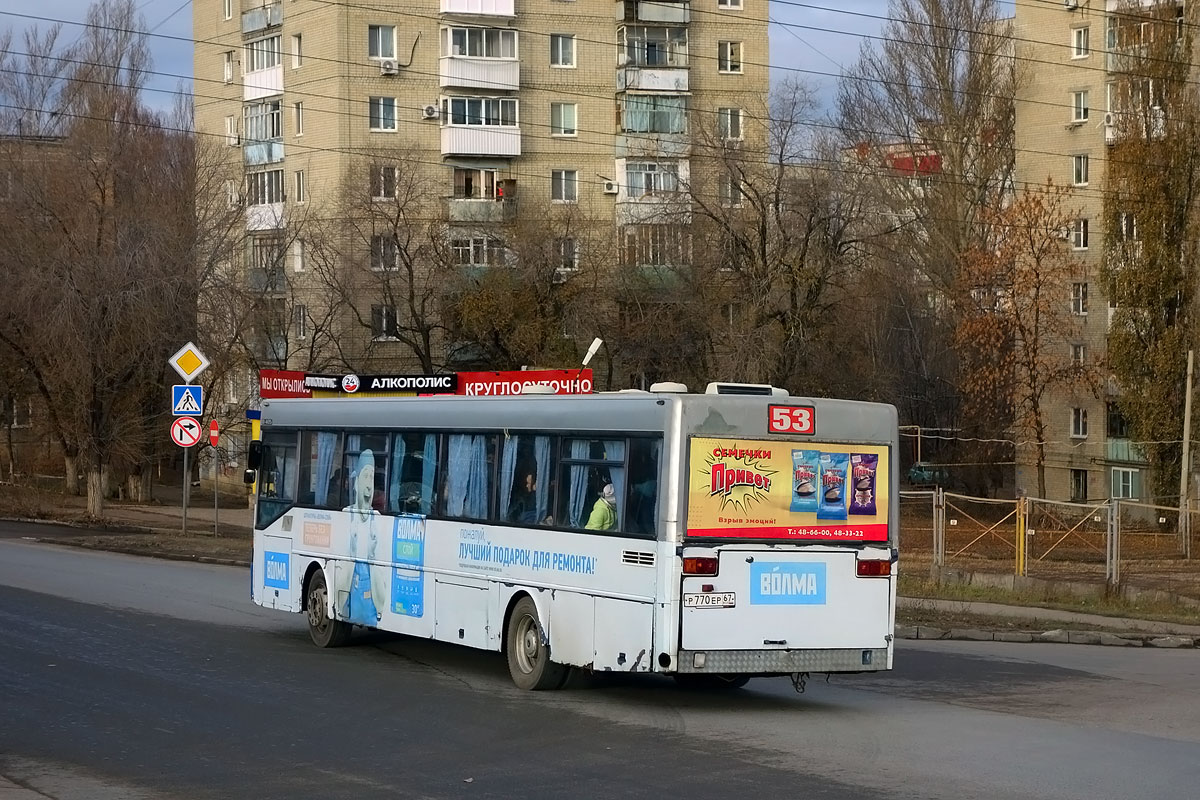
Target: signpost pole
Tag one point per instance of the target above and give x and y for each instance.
(216, 479)
(187, 484)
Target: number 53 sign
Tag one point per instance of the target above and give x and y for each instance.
(791, 419)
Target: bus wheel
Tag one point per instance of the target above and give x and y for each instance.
(528, 655)
(689, 680)
(325, 632)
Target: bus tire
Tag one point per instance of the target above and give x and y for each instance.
(528, 653)
(324, 631)
(690, 680)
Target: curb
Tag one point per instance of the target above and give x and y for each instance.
(1057, 636)
(129, 551)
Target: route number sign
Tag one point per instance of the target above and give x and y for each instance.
(791, 419)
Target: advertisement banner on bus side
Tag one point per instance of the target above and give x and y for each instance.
(744, 488)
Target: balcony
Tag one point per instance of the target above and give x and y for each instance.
(679, 11)
(1125, 451)
(493, 74)
(481, 140)
(653, 145)
(265, 217)
(258, 153)
(480, 211)
(266, 281)
(673, 209)
(262, 83)
(654, 79)
(259, 19)
(479, 8)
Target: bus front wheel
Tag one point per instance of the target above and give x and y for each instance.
(528, 654)
(324, 630)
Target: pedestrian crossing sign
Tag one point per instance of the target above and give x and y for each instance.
(186, 400)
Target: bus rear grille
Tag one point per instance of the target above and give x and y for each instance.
(638, 558)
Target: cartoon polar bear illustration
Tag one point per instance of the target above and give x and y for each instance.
(365, 588)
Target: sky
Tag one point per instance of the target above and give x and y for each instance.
(805, 38)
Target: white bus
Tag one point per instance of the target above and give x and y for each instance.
(714, 537)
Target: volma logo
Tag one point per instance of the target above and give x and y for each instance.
(775, 583)
(276, 569)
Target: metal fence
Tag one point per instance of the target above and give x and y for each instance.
(1119, 542)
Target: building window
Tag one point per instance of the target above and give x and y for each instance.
(1079, 428)
(1078, 354)
(562, 119)
(298, 118)
(478, 251)
(562, 50)
(228, 66)
(729, 190)
(1079, 43)
(228, 9)
(1128, 230)
(263, 122)
(646, 46)
(564, 185)
(1079, 234)
(298, 255)
(1080, 105)
(383, 114)
(297, 51)
(1078, 485)
(649, 177)
(383, 182)
(383, 323)
(262, 54)
(500, 111)
(729, 123)
(1126, 483)
(1079, 172)
(479, 42)
(729, 57)
(474, 184)
(566, 252)
(729, 4)
(385, 252)
(1079, 299)
(264, 188)
(231, 132)
(652, 113)
(300, 320)
(301, 191)
(231, 195)
(655, 245)
(1117, 424)
(381, 41)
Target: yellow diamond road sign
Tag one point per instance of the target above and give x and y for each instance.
(189, 362)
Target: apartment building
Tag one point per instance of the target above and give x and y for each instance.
(1067, 97)
(492, 111)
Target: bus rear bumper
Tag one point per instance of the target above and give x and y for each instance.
(775, 662)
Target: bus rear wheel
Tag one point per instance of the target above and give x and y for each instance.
(528, 653)
(689, 680)
(324, 630)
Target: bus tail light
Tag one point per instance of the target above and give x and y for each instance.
(874, 569)
(697, 565)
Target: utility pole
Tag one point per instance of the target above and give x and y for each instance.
(1184, 466)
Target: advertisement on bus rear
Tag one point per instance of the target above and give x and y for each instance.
(804, 490)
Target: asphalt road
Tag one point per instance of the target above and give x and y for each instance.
(123, 677)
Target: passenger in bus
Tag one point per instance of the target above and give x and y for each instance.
(604, 513)
(523, 507)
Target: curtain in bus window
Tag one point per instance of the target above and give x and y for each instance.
(458, 475)
(580, 448)
(477, 489)
(428, 471)
(398, 450)
(508, 471)
(326, 447)
(614, 450)
(541, 451)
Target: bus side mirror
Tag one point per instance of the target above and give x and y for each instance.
(254, 455)
(248, 477)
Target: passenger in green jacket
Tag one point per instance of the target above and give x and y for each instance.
(604, 513)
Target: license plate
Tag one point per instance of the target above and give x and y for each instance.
(709, 600)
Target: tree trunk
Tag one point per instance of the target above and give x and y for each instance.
(95, 491)
(12, 453)
(71, 469)
(146, 479)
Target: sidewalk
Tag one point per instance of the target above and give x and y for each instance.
(1038, 614)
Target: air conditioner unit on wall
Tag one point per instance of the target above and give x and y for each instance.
(388, 68)
(430, 112)
(610, 187)
(1109, 119)
(1071, 5)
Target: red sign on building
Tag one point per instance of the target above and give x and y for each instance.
(494, 384)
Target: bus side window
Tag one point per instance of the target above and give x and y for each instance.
(320, 469)
(525, 480)
(641, 517)
(470, 466)
(365, 451)
(277, 476)
(413, 473)
(589, 467)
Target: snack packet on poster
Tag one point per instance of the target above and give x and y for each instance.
(863, 469)
(806, 473)
(833, 486)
